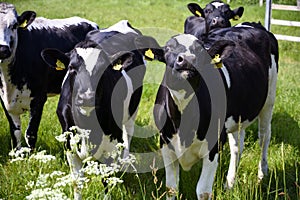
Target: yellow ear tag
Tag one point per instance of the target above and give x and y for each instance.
(24, 24)
(198, 13)
(117, 66)
(217, 61)
(59, 65)
(149, 54)
(236, 17)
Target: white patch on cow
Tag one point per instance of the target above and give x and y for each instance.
(232, 126)
(121, 26)
(106, 147)
(86, 110)
(17, 133)
(186, 40)
(243, 26)
(226, 75)
(15, 100)
(264, 120)
(188, 156)
(65, 78)
(217, 4)
(236, 143)
(206, 180)
(90, 57)
(128, 97)
(171, 167)
(43, 23)
(180, 101)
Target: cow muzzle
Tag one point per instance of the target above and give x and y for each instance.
(4, 52)
(86, 102)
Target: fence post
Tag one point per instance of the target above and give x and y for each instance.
(261, 2)
(268, 14)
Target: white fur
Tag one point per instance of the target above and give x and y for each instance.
(236, 143)
(105, 147)
(226, 75)
(243, 26)
(206, 180)
(217, 4)
(15, 100)
(90, 57)
(121, 26)
(264, 121)
(187, 40)
(180, 101)
(43, 23)
(187, 157)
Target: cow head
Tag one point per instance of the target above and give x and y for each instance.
(217, 14)
(185, 58)
(86, 64)
(9, 23)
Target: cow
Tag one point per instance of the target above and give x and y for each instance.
(253, 36)
(184, 105)
(25, 80)
(216, 14)
(102, 88)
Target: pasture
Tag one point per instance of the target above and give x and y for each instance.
(161, 19)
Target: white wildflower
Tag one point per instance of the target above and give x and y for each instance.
(42, 180)
(23, 152)
(40, 156)
(113, 181)
(63, 181)
(16, 159)
(47, 194)
(56, 173)
(62, 137)
(29, 185)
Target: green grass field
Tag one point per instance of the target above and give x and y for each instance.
(169, 15)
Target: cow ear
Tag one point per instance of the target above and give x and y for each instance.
(149, 47)
(237, 13)
(217, 49)
(121, 60)
(55, 59)
(26, 19)
(196, 10)
(219, 46)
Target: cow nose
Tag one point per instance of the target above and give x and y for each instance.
(180, 60)
(218, 21)
(4, 52)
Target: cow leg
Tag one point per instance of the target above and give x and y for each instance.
(14, 126)
(264, 121)
(264, 134)
(172, 171)
(236, 143)
(128, 129)
(36, 110)
(206, 180)
(75, 164)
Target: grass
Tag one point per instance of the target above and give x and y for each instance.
(283, 179)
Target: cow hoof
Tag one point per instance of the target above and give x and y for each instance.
(205, 196)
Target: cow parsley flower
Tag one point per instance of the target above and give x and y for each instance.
(40, 156)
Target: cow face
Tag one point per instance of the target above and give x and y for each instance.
(183, 55)
(216, 13)
(87, 64)
(9, 23)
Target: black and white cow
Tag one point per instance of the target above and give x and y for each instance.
(256, 38)
(25, 80)
(102, 88)
(216, 14)
(185, 105)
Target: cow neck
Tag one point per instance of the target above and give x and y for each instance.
(5, 76)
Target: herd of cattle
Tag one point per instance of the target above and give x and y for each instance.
(72, 57)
